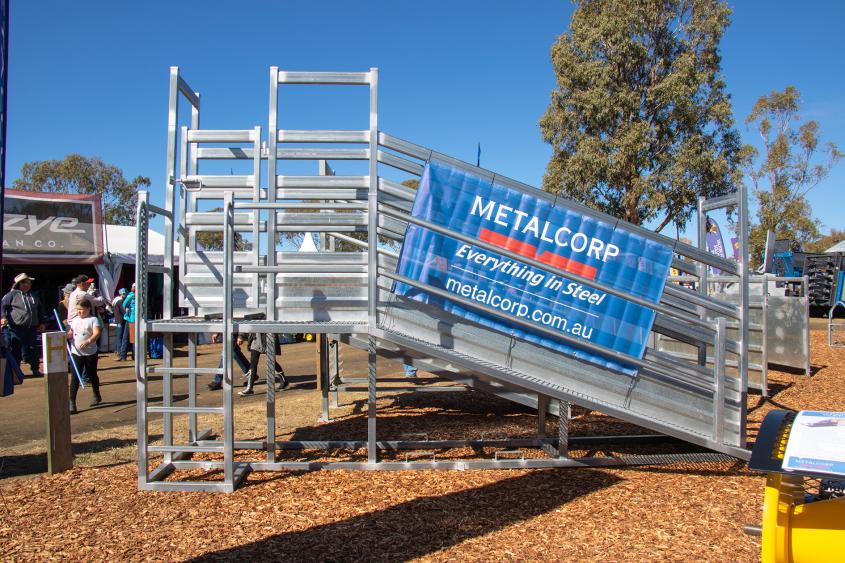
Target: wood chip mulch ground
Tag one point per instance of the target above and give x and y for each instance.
(685, 512)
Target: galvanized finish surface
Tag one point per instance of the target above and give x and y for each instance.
(348, 292)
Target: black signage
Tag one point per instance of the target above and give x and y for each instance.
(52, 228)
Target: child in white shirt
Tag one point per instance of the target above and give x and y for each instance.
(84, 331)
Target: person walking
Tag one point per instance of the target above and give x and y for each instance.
(129, 316)
(257, 347)
(21, 316)
(217, 383)
(61, 308)
(85, 330)
(83, 284)
(122, 332)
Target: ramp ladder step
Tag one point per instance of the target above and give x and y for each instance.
(187, 410)
(185, 448)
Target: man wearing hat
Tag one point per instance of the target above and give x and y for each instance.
(22, 315)
(82, 283)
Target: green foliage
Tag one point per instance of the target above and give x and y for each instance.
(78, 174)
(825, 242)
(640, 121)
(212, 240)
(343, 246)
(787, 169)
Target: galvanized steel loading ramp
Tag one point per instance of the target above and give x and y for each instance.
(349, 293)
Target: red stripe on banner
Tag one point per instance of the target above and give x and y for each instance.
(569, 265)
(530, 251)
(522, 248)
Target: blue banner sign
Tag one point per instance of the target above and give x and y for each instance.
(535, 228)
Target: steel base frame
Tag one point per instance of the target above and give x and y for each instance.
(378, 207)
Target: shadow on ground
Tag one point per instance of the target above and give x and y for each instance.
(425, 525)
(33, 464)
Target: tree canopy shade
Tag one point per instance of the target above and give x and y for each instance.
(825, 242)
(78, 174)
(640, 121)
(789, 167)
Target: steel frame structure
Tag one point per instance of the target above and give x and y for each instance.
(778, 326)
(348, 294)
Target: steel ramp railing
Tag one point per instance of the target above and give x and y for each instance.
(350, 292)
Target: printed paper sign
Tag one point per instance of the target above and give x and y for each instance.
(54, 352)
(816, 443)
(535, 228)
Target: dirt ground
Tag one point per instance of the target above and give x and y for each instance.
(23, 418)
(680, 513)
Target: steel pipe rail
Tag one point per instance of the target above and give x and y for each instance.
(424, 154)
(190, 95)
(720, 202)
(323, 182)
(159, 210)
(344, 78)
(606, 352)
(225, 153)
(350, 293)
(317, 205)
(323, 154)
(220, 135)
(299, 136)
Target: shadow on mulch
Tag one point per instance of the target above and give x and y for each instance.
(33, 464)
(425, 525)
(738, 467)
(438, 415)
(814, 369)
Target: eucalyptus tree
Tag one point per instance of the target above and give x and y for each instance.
(640, 121)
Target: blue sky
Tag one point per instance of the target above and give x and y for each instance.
(91, 77)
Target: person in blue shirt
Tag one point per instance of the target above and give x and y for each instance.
(129, 317)
(122, 335)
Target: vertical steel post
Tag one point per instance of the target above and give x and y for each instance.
(140, 355)
(181, 226)
(193, 169)
(372, 445)
(325, 377)
(719, 382)
(703, 272)
(170, 192)
(805, 293)
(272, 138)
(192, 385)
(372, 269)
(743, 313)
(542, 407)
(228, 331)
(167, 285)
(270, 373)
(764, 327)
(564, 412)
(256, 223)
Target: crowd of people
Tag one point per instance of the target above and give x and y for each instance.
(82, 312)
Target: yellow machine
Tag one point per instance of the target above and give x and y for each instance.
(803, 511)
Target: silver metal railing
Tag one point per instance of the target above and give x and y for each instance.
(351, 292)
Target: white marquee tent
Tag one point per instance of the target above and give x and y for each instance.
(120, 242)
